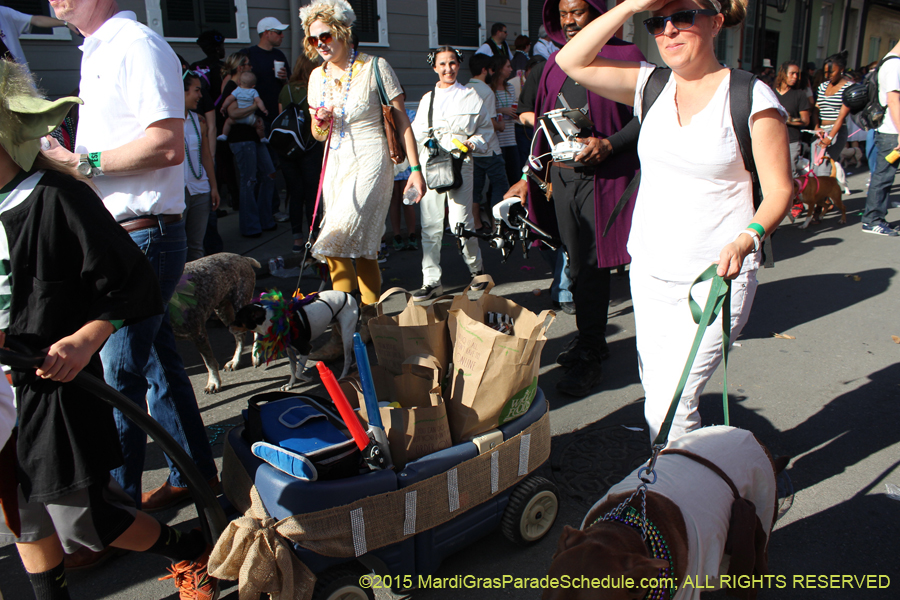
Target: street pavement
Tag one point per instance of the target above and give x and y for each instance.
(814, 375)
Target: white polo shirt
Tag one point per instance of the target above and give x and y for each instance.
(888, 81)
(12, 25)
(130, 79)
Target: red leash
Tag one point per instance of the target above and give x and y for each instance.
(312, 221)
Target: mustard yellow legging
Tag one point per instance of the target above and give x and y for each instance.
(346, 278)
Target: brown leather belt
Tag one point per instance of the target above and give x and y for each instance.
(148, 222)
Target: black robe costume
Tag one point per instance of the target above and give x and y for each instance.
(70, 263)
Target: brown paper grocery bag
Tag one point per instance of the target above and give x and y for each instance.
(416, 330)
(419, 426)
(494, 378)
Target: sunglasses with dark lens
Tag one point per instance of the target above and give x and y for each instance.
(325, 38)
(683, 19)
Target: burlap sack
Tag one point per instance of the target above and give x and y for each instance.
(419, 426)
(416, 330)
(494, 377)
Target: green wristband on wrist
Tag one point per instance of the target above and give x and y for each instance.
(415, 168)
(117, 324)
(758, 229)
(94, 159)
(524, 176)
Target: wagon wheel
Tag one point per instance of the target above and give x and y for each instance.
(531, 512)
(342, 583)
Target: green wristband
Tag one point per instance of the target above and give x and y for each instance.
(117, 324)
(94, 159)
(524, 176)
(758, 229)
(415, 168)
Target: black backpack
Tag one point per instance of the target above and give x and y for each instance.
(290, 135)
(741, 103)
(872, 112)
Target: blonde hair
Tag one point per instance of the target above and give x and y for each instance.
(337, 14)
(232, 64)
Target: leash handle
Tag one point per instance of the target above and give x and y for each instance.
(719, 300)
(312, 222)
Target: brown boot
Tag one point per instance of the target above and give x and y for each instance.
(366, 313)
(333, 348)
(167, 495)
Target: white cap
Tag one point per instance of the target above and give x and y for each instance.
(767, 64)
(269, 23)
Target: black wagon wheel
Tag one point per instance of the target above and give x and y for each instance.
(531, 512)
(212, 518)
(342, 583)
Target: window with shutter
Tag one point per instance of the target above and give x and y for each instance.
(367, 17)
(535, 18)
(189, 18)
(457, 22)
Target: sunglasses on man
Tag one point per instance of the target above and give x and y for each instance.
(683, 19)
(324, 38)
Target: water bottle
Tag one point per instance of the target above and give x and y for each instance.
(409, 198)
(273, 265)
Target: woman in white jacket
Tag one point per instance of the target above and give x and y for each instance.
(458, 114)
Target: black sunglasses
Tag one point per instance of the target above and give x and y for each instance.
(325, 37)
(683, 19)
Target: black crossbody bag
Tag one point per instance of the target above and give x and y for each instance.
(443, 171)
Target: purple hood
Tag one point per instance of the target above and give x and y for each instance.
(551, 18)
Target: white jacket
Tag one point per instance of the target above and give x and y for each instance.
(462, 116)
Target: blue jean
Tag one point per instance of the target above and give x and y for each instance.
(142, 362)
(560, 287)
(871, 150)
(881, 181)
(254, 165)
(494, 168)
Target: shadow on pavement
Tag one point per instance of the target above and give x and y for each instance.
(784, 304)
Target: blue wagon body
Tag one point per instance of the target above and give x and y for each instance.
(421, 554)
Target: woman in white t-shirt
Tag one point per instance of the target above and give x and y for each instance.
(201, 195)
(695, 204)
(458, 118)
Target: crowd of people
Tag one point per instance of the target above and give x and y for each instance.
(158, 176)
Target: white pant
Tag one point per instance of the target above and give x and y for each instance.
(459, 202)
(665, 331)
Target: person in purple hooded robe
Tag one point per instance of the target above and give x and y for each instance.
(585, 195)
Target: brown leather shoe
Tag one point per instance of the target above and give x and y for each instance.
(167, 495)
(85, 558)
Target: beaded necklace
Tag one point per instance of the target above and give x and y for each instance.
(326, 87)
(187, 154)
(655, 542)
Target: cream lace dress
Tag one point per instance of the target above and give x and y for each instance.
(359, 176)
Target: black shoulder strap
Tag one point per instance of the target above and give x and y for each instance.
(430, 112)
(741, 92)
(653, 88)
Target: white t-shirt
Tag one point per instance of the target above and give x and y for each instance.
(487, 96)
(695, 195)
(888, 81)
(192, 149)
(130, 79)
(12, 25)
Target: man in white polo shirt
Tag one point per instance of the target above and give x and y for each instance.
(131, 145)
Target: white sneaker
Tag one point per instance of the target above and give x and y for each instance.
(281, 217)
(429, 290)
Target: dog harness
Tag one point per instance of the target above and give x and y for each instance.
(802, 182)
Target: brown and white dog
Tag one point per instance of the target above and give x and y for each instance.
(220, 283)
(691, 507)
(816, 191)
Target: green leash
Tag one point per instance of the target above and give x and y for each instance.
(719, 300)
